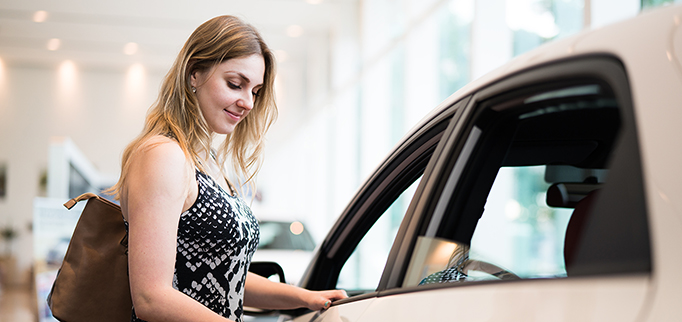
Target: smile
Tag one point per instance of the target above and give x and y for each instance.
(232, 115)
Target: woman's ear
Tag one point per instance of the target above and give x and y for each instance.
(193, 78)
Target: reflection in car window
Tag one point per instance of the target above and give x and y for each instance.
(532, 193)
(460, 266)
(364, 267)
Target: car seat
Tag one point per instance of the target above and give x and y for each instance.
(576, 227)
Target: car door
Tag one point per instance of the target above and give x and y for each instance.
(354, 254)
(530, 208)
(534, 210)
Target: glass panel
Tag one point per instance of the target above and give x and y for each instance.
(518, 230)
(647, 4)
(449, 262)
(534, 22)
(455, 46)
(363, 270)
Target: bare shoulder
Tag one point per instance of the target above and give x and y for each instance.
(158, 152)
(160, 146)
(159, 161)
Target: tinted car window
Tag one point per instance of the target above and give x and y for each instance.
(351, 256)
(363, 269)
(538, 191)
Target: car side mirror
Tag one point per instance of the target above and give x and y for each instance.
(267, 270)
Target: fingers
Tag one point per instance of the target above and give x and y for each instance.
(339, 294)
(331, 296)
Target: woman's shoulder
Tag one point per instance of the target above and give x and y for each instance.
(160, 149)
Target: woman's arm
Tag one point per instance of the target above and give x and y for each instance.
(265, 294)
(157, 190)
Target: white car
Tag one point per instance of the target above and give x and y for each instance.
(548, 190)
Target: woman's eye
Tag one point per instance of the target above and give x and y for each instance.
(233, 85)
(255, 94)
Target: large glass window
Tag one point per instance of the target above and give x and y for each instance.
(647, 4)
(455, 46)
(534, 22)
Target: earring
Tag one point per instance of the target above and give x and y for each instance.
(194, 89)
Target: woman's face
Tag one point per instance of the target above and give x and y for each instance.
(226, 92)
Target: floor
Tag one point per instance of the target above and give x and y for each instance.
(17, 305)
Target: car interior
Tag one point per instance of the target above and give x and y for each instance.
(544, 150)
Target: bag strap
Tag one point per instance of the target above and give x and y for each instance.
(86, 196)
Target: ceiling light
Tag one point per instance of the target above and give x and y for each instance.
(294, 31)
(67, 78)
(53, 44)
(40, 16)
(130, 48)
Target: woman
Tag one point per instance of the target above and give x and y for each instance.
(191, 237)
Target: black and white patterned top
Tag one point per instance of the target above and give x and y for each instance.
(217, 237)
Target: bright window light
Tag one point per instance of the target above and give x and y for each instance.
(68, 75)
(135, 77)
(531, 16)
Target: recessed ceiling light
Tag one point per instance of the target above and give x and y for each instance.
(53, 44)
(40, 16)
(130, 48)
(294, 31)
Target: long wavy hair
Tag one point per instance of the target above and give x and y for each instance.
(176, 113)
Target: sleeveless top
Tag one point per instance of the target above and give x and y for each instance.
(217, 237)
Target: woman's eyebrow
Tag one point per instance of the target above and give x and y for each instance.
(246, 79)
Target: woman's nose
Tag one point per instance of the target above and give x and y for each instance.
(247, 101)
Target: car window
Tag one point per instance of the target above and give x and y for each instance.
(357, 252)
(546, 185)
(518, 230)
(362, 271)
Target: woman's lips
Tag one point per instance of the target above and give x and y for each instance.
(234, 116)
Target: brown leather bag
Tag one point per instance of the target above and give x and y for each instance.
(92, 284)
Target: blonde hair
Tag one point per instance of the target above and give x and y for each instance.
(176, 111)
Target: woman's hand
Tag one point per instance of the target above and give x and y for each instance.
(266, 294)
(321, 300)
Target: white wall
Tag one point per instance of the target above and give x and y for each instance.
(96, 109)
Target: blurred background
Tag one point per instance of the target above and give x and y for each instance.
(77, 77)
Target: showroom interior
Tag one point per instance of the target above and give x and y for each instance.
(77, 78)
